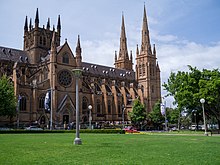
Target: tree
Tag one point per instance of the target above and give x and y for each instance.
(188, 88)
(172, 115)
(138, 114)
(158, 119)
(155, 116)
(210, 91)
(7, 98)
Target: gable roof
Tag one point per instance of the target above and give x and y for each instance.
(15, 55)
(105, 71)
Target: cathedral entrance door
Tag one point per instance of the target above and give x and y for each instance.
(65, 121)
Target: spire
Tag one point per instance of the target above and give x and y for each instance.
(137, 50)
(37, 19)
(48, 24)
(78, 47)
(145, 45)
(131, 57)
(58, 23)
(30, 25)
(78, 53)
(115, 55)
(158, 67)
(154, 50)
(123, 52)
(78, 42)
(26, 24)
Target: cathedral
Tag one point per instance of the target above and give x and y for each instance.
(45, 65)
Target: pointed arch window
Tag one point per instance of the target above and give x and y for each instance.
(109, 107)
(41, 101)
(66, 58)
(98, 106)
(41, 40)
(85, 103)
(119, 107)
(143, 69)
(23, 103)
(140, 70)
(44, 41)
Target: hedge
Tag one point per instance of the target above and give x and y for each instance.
(96, 131)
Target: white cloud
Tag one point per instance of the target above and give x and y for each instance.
(99, 52)
(173, 53)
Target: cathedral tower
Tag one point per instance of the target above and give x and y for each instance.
(147, 68)
(37, 41)
(123, 61)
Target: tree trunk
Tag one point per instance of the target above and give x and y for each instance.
(218, 126)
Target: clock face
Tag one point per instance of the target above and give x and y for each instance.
(65, 78)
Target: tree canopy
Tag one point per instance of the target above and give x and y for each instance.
(138, 113)
(188, 88)
(7, 98)
(158, 119)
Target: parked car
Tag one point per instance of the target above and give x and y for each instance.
(130, 129)
(5, 129)
(34, 128)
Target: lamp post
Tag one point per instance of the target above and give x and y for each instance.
(194, 114)
(202, 101)
(77, 73)
(90, 116)
(163, 112)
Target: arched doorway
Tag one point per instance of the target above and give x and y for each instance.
(65, 119)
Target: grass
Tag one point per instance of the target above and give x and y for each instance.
(21, 149)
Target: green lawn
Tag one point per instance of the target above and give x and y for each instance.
(109, 149)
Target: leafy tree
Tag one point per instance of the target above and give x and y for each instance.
(7, 98)
(210, 90)
(172, 115)
(138, 114)
(158, 119)
(155, 116)
(188, 88)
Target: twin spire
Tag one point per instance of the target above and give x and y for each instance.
(123, 51)
(122, 60)
(145, 43)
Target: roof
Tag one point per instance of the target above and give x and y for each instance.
(10, 54)
(105, 71)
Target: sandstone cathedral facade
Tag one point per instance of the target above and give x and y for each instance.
(46, 64)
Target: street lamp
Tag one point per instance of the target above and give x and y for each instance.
(77, 73)
(203, 110)
(90, 116)
(194, 114)
(163, 112)
(123, 116)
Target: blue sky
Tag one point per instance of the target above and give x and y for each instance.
(186, 32)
